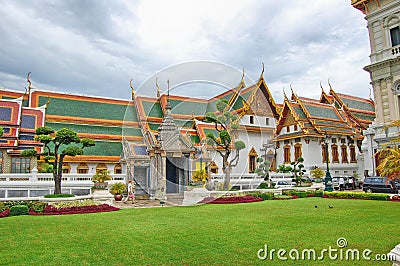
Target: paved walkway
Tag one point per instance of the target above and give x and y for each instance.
(144, 203)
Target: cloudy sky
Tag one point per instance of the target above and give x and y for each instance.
(96, 47)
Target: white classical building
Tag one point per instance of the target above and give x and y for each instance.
(383, 18)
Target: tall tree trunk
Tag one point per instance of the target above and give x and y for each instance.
(227, 172)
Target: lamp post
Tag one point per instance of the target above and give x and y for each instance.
(328, 178)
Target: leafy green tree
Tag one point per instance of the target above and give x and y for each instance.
(263, 170)
(226, 124)
(54, 143)
(298, 170)
(1, 132)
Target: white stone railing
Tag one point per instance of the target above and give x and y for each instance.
(36, 177)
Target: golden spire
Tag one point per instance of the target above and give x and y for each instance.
(242, 81)
(262, 72)
(133, 90)
(320, 84)
(330, 87)
(158, 89)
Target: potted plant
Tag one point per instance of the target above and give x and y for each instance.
(117, 189)
(99, 179)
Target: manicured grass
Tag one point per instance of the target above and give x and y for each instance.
(201, 235)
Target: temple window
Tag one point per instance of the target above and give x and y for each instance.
(297, 151)
(252, 160)
(344, 154)
(287, 129)
(101, 167)
(118, 169)
(213, 167)
(286, 154)
(335, 154)
(353, 154)
(82, 168)
(267, 121)
(251, 119)
(66, 168)
(20, 165)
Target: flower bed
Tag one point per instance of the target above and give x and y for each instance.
(50, 210)
(72, 207)
(230, 200)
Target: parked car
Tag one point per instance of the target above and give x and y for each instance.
(381, 184)
(282, 184)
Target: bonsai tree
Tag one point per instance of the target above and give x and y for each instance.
(263, 170)
(298, 170)
(54, 154)
(226, 123)
(200, 175)
(284, 168)
(118, 188)
(317, 172)
(101, 176)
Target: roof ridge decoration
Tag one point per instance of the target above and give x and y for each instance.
(266, 92)
(133, 90)
(158, 89)
(354, 121)
(29, 88)
(286, 104)
(236, 94)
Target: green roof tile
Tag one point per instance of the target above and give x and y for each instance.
(317, 111)
(98, 110)
(361, 105)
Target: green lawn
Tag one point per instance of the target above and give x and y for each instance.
(202, 235)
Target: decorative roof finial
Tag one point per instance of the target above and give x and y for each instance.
(133, 90)
(320, 84)
(28, 79)
(242, 81)
(262, 72)
(168, 88)
(330, 87)
(158, 89)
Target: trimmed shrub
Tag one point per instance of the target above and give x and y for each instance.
(59, 196)
(358, 195)
(287, 192)
(319, 193)
(282, 197)
(3, 206)
(264, 196)
(37, 206)
(19, 210)
(300, 194)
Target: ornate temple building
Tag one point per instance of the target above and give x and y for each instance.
(383, 17)
(157, 141)
(304, 123)
(160, 141)
(19, 123)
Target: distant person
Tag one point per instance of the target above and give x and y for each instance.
(351, 183)
(131, 194)
(341, 183)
